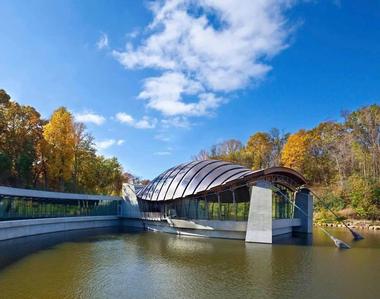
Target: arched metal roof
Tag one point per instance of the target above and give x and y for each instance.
(200, 176)
(191, 178)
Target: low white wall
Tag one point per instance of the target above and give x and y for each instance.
(29, 227)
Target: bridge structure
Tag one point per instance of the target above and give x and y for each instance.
(25, 212)
(209, 198)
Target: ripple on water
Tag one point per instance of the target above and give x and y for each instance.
(146, 265)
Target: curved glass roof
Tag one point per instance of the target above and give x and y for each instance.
(198, 176)
(192, 178)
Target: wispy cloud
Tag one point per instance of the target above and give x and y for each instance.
(177, 121)
(89, 117)
(163, 153)
(144, 123)
(205, 49)
(105, 144)
(102, 42)
(163, 136)
(134, 33)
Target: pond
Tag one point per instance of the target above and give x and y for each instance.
(113, 264)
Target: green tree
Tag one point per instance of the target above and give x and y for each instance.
(109, 176)
(84, 155)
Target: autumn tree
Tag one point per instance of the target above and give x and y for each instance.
(228, 150)
(259, 149)
(21, 129)
(59, 134)
(84, 157)
(202, 155)
(364, 127)
(295, 151)
(278, 141)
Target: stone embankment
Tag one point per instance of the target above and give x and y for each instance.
(358, 224)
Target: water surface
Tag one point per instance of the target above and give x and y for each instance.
(111, 264)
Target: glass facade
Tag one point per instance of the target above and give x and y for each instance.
(226, 205)
(26, 208)
(282, 203)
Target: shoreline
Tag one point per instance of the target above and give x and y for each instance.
(357, 224)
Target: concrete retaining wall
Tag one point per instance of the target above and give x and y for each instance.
(215, 228)
(195, 229)
(22, 228)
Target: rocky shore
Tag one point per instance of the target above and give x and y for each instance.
(358, 224)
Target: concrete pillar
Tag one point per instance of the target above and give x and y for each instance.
(130, 206)
(304, 200)
(259, 225)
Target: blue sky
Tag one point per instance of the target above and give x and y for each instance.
(156, 82)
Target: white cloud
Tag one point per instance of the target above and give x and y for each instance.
(102, 43)
(105, 144)
(144, 123)
(205, 48)
(102, 145)
(124, 118)
(90, 118)
(165, 94)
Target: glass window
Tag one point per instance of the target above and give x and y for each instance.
(26, 208)
(202, 208)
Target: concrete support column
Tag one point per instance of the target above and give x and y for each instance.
(304, 200)
(129, 206)
(259, 225)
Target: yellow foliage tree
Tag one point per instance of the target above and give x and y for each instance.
(258, 150)
(60, 137)
(295, 151)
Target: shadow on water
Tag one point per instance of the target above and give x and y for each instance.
(294, 238)
(13, 250)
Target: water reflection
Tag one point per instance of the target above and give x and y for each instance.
(15, 249)
(145, 265)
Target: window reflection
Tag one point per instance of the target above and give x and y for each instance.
(230, 205)
(12, 208)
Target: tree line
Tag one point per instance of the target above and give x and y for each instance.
(56, 154)
(340, 160)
